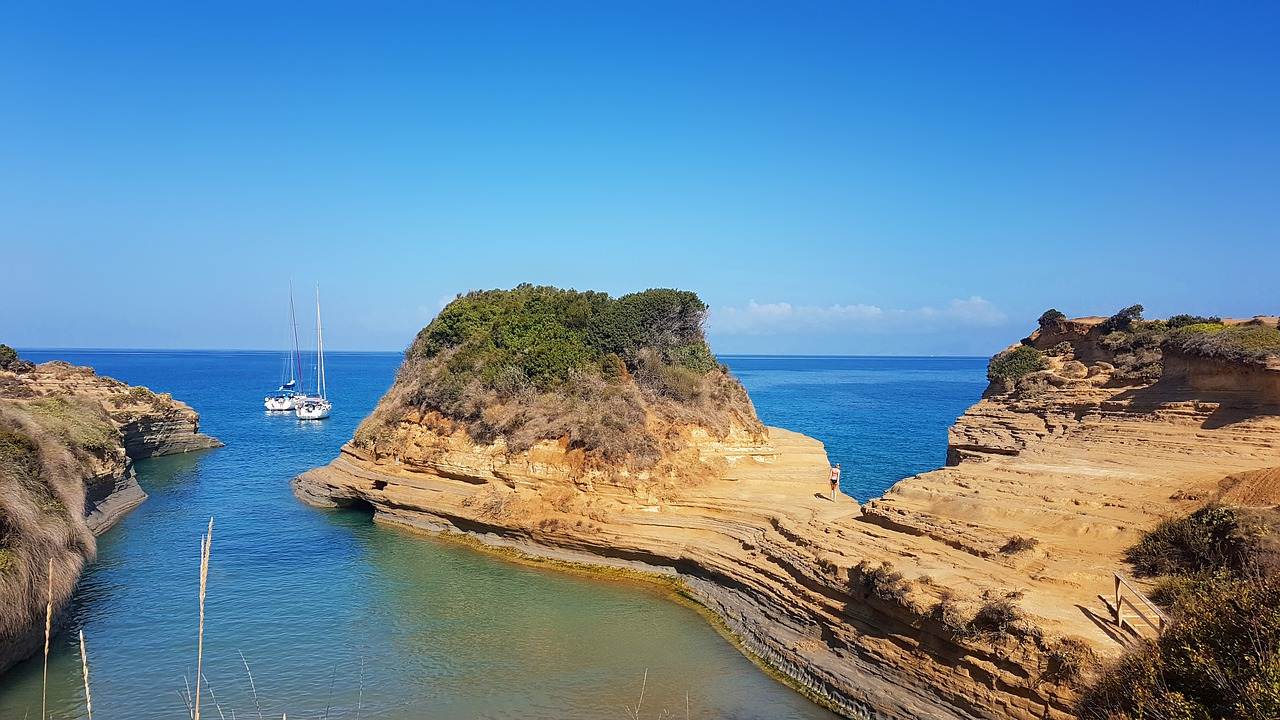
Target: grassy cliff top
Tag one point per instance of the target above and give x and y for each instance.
(1136, 346)
(540, 363)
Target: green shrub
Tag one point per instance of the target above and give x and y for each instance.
(1050, 316)
(548, 334)
(7, 356)
(661, 318)
(1178, 321)
(1015, 363)
(612, 367)
(1213, 539)
(540, 363)
(1136, 352)
(1122, 320)
(1062, 349)
(1235, 343)
(83, 425)
(1220, 658)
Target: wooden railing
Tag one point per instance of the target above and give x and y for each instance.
(1148, 612)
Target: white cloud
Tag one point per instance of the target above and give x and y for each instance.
(783, 318)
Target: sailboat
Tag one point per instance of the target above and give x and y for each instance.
(286, 397)
(316, 407)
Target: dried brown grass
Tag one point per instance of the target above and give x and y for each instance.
(42, 529)
(634, 420)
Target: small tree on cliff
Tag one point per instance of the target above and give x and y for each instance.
(1051, 316)
(1123, 320)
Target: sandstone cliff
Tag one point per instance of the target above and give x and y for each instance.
(966, 592)
(68, 440)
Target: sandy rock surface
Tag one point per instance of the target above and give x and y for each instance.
(1045, 490)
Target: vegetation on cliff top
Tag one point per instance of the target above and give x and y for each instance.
(1235, 343)
(41, 511)
(540, 363)
(1136, 347)
(1012, 364)
(1220, 657)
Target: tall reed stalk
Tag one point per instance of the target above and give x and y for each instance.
(206, 543)
(48, 633)
(84, 669)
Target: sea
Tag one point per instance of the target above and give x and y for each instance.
(322, 614)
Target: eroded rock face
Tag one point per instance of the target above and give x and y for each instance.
(952, 596)
(68, 475)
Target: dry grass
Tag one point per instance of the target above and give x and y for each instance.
(82, 424)
(43, 536)
(48, 633)
(206, 545)
(1018, 544)
(632, 419)
(84, 669)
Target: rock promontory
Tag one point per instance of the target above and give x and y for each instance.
(68, 441)
(972, 591)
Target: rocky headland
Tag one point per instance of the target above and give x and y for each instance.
(972, 591)
(68, 441)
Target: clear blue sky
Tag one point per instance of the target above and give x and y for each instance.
(833, 178)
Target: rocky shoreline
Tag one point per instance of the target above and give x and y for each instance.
(96, 486)
(874, 610)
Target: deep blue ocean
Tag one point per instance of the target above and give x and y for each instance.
(333, 612)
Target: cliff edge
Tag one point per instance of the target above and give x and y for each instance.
(68, 440)
(967, 592)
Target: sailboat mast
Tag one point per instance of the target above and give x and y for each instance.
(320, 386)
(295, 370)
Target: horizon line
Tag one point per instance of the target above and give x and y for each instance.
(401, 352)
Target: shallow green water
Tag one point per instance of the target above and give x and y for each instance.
(331, 610)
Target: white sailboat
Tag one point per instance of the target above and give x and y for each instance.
(316, 407)
(286, 397)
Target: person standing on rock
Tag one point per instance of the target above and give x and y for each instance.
(835, 481)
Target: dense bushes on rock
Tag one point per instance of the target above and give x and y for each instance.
(1051, 316)
(1220, 655)
(1015, 363)
(1122, 320)
(543, 335)
(1178, 321)
(1062, 349)
(1220, 658)
(7, 356)
(1136, 351)
(541, 363)
(1213, 539)
(1236, 343)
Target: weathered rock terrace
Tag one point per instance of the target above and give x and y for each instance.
(1076, 467)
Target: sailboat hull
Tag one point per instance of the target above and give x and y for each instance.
(278, 403)
(313, 409)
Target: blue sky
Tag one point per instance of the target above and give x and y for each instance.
(831, 178)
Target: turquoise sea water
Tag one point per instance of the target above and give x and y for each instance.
(331, 611)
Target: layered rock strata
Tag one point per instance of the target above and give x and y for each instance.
(965, 592)
(68, 442)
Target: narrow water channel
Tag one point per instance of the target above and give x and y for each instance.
(333, 612)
